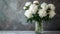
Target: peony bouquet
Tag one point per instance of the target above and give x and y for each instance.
(39, 12)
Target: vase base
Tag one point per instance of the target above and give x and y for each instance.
(39, 33)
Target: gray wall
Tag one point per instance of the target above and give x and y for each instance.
(12, 16)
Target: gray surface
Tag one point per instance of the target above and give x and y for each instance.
(28, 32)
(12, 15)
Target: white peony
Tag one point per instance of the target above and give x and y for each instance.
(24, 7)
(51, 6)
(33, 8)
(36, 2)
(42, 13)
(44, 6)
(28, 14)
(28, 4)
(52, 14)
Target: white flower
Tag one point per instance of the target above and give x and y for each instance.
(28, 14)
(28, 4)
(33, 8)
(24, 7)
(44, 6)
(52, 14)
(42, 13)
(51, 6)
(36, 2)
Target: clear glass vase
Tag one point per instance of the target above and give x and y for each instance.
(38, 28)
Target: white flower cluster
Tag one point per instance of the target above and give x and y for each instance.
(42, 12)
(27, 5)
(28, 14)
(45, 7)
(32, 9)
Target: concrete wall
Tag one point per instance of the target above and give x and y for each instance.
(12, 15)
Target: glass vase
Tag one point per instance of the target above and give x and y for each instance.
(38, 28)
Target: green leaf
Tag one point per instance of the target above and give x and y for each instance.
(27, 7)
(30, 20)
(46, 18)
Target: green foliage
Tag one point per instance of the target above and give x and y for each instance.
(27, 7)
(39, 7)
(30, 20)
(37, 18)
(48, 10)
(46, 18)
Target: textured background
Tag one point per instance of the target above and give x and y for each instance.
(12, 16)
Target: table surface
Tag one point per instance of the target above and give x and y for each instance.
(28, 32)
